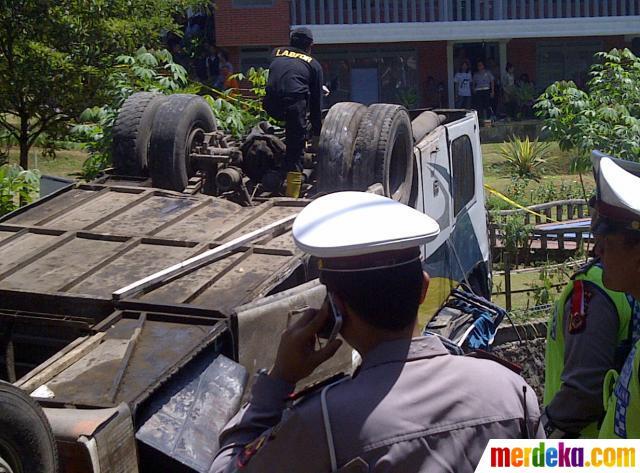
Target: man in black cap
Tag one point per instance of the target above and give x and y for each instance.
(294, 89)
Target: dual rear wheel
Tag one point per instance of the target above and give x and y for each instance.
(154, 135)
(361, 146)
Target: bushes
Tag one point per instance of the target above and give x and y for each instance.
(236, 113)
(17, 187)
(155, 71)
(525, 159)
(146, 70)
(606, 117)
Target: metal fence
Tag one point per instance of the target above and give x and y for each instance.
(322, 12)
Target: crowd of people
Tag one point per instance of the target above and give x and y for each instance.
(490, 93)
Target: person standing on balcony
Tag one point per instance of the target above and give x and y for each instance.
(462, 81)
(484, 90)
(294, 89)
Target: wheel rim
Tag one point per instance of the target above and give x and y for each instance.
(194, 139)
(9, 459)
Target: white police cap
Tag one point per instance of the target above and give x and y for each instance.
(618, 190)
(344, 225)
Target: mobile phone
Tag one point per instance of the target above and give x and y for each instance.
(332, 328)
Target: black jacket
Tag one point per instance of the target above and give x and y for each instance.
(294, 73)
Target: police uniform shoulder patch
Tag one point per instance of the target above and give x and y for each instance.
(249, 451)
(580, 298)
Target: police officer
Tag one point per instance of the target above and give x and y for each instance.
(617, 232)
(411, 406)
(294, 88)
(588, 335)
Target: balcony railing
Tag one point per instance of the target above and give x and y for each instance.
(331, 12)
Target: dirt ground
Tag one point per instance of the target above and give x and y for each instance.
(528, 354)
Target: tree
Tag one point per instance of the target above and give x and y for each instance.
(55, 56)
(606, 117)
(147, 70)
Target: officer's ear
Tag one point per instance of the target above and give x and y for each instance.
(425, 286)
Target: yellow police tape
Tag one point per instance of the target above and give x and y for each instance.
(515, 204)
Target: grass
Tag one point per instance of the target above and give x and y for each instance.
(557, 170)
(66, 163)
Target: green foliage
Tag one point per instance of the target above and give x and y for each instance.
(525, 159)
(524, 96)
(408, 97)
(17, 187)
(522, 193)
(606, 117)
(56, 57)
(516, 233)
(550, 281)
(238, 114)
(146, 70)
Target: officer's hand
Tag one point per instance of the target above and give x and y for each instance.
(297, 354)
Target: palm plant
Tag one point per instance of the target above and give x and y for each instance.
(525, 159)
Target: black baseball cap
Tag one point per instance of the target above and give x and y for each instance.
(302, 32)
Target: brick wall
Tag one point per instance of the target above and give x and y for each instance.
(251, 26)
(522, 52)
(432, 61)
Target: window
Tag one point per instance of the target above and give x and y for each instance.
(254, 57)
(565, 61)
(252, 3)
(371, 75)
(464, 180)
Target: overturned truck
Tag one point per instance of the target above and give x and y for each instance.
(134, 309)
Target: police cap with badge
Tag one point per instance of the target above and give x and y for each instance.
(617, 200)
(360, 231)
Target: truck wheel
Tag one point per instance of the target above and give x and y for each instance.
(337, 143)
(26, 441)
(179, 126)
(131, 133)
(384, 151)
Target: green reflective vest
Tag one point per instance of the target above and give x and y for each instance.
(554, 354)
(621, 395)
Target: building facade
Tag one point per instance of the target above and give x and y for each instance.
(407, 51)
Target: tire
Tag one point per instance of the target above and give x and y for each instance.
(384, 151)
(425, 123)
(177, 117)
(131, 134)
(337, 144)
(26, 441)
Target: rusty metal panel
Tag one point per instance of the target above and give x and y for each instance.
(145, 217)
(136, 355)
(94, 239)
(7, 234)
(272, 214)
(206, 224)
(92, 210)
(43, 210)
(183, 290)
(16, 250)
(137, 263)
(61, 265)
(243, 283)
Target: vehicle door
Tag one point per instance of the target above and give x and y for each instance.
(435, 200)
(468, 239)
